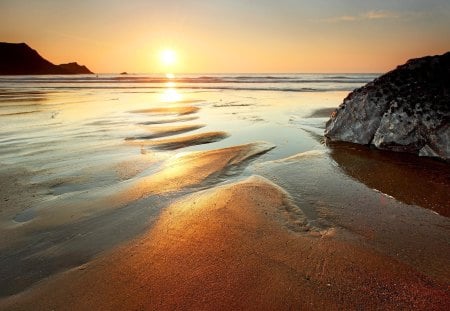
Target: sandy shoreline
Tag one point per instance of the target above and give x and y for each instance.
(227, 248)
(230, 220)
(243, 245)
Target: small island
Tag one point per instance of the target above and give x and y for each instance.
(20, 59)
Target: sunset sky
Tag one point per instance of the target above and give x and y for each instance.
(215, 36)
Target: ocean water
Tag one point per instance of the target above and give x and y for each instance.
(264, 82)
(49, 117)
(75, 149)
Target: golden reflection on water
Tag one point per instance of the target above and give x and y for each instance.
(407, 178)
(170, 93)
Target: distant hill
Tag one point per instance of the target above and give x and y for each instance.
(20, 59)
(74, 68)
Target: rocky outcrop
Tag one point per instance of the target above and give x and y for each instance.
(20, 59)
(405, 110)
(74, 68)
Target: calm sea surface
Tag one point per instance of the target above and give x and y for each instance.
(52, 120)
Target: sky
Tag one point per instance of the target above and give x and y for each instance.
(224, 36)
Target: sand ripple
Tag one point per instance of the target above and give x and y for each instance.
(182, 141)
(170, 120)
(171, 110)
(162, 131)
(177, 173)
(223, 249)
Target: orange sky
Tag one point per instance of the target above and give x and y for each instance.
(230, 36)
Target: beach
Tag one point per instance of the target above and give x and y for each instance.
(210, 192)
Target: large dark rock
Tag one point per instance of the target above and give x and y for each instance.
(406, 110)
(20, 59)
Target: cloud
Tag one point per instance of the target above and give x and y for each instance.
(370, 15)
(380, 15)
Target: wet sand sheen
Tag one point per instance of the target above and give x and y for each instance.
(322, 113)
(18, 113)
(171, 110)
(170, 120)
(177, 173)
(207, 247)
(181, 141)
(162, 131)
(376, 219)
(316, 236)
(405, 177)
(67, 215)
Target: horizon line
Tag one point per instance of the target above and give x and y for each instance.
(239, 73)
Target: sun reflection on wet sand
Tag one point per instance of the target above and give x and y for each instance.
(248, 226)
(208, 245)
(170, 94)
(407, 178)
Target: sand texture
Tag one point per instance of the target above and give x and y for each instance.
(206, 248)
(213, 199)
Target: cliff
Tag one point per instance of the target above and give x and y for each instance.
(20, 59)
(74, 68)
(404, 110)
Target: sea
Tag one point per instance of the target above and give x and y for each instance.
(54, 120)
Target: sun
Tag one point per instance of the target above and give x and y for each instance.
(168, 57)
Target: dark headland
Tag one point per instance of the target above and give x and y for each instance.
(20, 59)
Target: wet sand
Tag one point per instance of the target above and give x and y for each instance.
(177, 173)
(322, 113)
(163, 131)
(13, 201)
(231, 248)
(173, 110)
(233, 216)
(182, 141)
(170, 120)
(397, 175)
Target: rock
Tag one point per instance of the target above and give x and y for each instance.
(74, 68)
(20, 59)
(405, 110)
